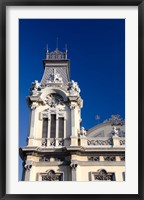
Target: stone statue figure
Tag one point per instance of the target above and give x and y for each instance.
(73, 87)
(116, 131)
(54, 77)
(82, 131)
(35, 87)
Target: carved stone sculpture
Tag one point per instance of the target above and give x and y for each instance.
(35, 87)
(54, 77)
(116, 131)
(73, 87)
(82, 131)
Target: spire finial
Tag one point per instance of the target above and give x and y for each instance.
(47, 52)
(66, 47)
(57, 43)
(47, 48)
(66, 51)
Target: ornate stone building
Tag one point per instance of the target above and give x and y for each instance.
(58, 149)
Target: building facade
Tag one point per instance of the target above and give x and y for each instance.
(58, 148)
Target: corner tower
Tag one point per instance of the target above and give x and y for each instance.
(55, 105)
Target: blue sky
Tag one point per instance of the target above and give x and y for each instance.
(96, 49)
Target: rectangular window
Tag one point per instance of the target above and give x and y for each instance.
(61, 127)
(45, 128)
(53, 126)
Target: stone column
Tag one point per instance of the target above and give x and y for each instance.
(73, 166)
(72, 107)
(48, 134)
(64, 130)
(32, 123)
(74, 139)
(57, 128)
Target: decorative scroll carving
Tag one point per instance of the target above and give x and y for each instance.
(109, 158)
(122, 142)
(122, 158)
(54, 77)
(100, 142)
(102, 175)
(52, 176)
(73, 165)
(93, 158)
(33, 107)
(73, 88)
(72, 107)
(28, 166)
(115, 120)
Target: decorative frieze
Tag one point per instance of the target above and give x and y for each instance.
(99, 142)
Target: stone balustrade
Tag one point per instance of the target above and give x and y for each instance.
(84, 141)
